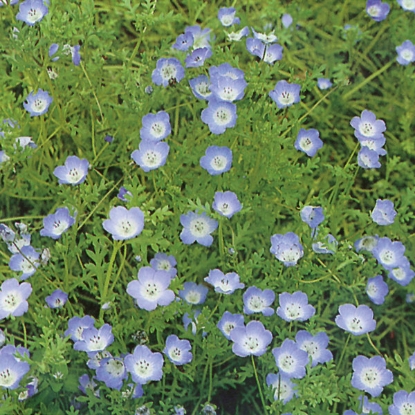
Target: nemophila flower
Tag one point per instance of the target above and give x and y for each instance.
(201, 37)
(250, 340)
(370, 375)
(295, 307)
(273, 53)
(32, 11)
(315, 346)
(226, 203)
(255, 47)
(178, 351)
(201, 87)
(112, 372)
(109, 138)
(368, 159)
(124, 223)
(370, 407)
(389, 254)
(403, 274)
(403, 403)
(197, 227)
(156, 127)
(167, 70)
(285, 94)
(225, 88)
(377, 10)
(95, 340)
(219, 115)
(227, 70)
(193, 293)
(266, 38)
(408, 5)
(258, 301)
(31, 388)
(57, 299)
(57, 223)
(151, 289)
(197, 57)
(73, 172)
(226, 16)
(191, 321)
(324, 83)
(367, 126)
(122, 193)
(237, 36)
(377, 289)
(406, 52)
(284, 388)
(411, 361)
(77, 325)
(356, 320)
(163, 262)
(12, 371)
(312, 215)
(308, 141)
(95, 359)
(37, 104)
(383, 213)
(151, 155)
(290, 359)
(183, 42)
(287, 248)
(26, 261)
(286, 20)
(217, 160)
(224, 284)
(228, 322)
(327, 246)
(85, 383)
(375, 145)
(144, 365)
(13, 298)
(76, 56)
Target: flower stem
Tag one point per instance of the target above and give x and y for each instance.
(259, 385)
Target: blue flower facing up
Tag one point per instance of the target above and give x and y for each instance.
(258, 301)
(226, 88)
(12, 371)
(37, 104)
(124, 223)
(224, 284)
(167, 70)
(285, 94)
(356, 320)
(217, 160)
(197, 228)
(389, 254)
(284, 388)
(163, 262)
(201, 87)
(368, 159)
(407, 5)
(273, 53)
(312, 215)
(324, 83)
(74, 171)
(25, 261)
(156, 127)
(228, 322)
(57, 223)
(95, 340)
(201, 37)
(402, 274)
(183, 42)
(377, 289)
(193, 293)
(112, 372)
(226, 16)
(315, 346)
(406, 52)
(197, 57)
(250, 340)
(57, 299)
(377, 10)
(287, 248)
(290, 359)
(219, 115)
(13, 298)
(308, 141)
(367, 126)
(76, 326)
(383, 213)
(403, 403)
(151, 155)
(226, 204)
(295, 307)
(255, 47)
(178, 351)
(32, 11)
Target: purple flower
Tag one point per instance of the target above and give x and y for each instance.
(151, 289)
(285, 94)
(73, 172)
(255, 47)
(226, 16)
(286, 20)
(287, 248)
(295, 307)
(312, 215)
(217, 160)
(167, 70)
(367, 126)
(377, 289)
(122, 193)
(227, 88)
(178, 351)
(284, 388)
(370, 375)
(403, 403)
(308, 141)
(57, 299)
(273, 53)
(183, 42)
(37, 104)
(375, 144)
(224, 284)
(57, 223)
(368, 159)
(197, 57)
(219, 115)
(408, 5)
(324, 83)
(112, 372)
(124, 223)
(201, 87)
(163, 262)
(290, 359)
(383, 213)
(250, 340)
(315, 346)
(26, 261)
(144, 365)
(228, 322)
(31, 11)
(201, 37)
(226, 204)
(389, 254)
(151, 155)
(406, 51)
(76, 56)
(12, 370)
(357, 321)
(53, 48)
(13, 298)
(95, 340)
(197, 228)
(193, 293)
(258, 301)
(402, 274)
(377, 10)
(77, 325)
(156, 127)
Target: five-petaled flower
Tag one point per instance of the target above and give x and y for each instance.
(124, 223)
(197, 228)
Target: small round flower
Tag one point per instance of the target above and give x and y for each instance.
(284, 388)
(124, 223)
(144, 365)
(201, 87)
(217, 160)
(88, 384)
(258, 301)
(32, 11)
(183, 42)
(383, 213)
(228, 88)
(167, 70)
(406, 53)
(308, 141)
(37, 104)
(273, 53)
(315, 346)
(370, 375)
(290, 359)
(73, 172)
(286, 20)
(295, 307)
(123, 193)
(201, 37)
(151, 155)
(12, 371)
(26, 261)
(57, 223)
(367, 126)
(377, 289)
(287, 248)
(408, 5)
(355, 320)
(226, 204)
(312, 215)
(57, 299)
(324, 83)
(163, 262)
(403, 403)
(219, 115)
(226, 16)
(255, 47)
(285, 94)
(197, 57)
(156, 127)
(13, 298)
(112, 372)
(193, 293)
(95, 340)
(389, 254)
(377, 10)
(228, 322)
(402, 274)
(76, 326)
(178, 351)
(197, 228)
(368, 159)
(250, 340)
(224, 284)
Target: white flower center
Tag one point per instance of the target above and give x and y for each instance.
(251, 344)
(409, 4)
(286, 98)
(26, 265)
(151, 291)
(224, 208)
(373, 11)
(355, 324)
(115, 367)
(203, 89)
(222, 116)
(407, 54)
(7, 378)
(399, 274)
(151, 158)
(96, 342)
(158, 129)
(282, 391)
(407, 409)
(372, 289)
(387, 256)
(168, 71)
(164, 265)
(198, 227)
(33, 15)
(228, 327)
(227, 20)
(39, 105)
(218, 163)
(227, 93)
(224, 285)
(175, 353)
(11, 301)
(74, 175)
(193, 297)
(286, 362)
(367, 129)
(256, 303)
(59, 226)
(290, 255)
(293, 310)
(370, 377)
(306, 143)
(143, 368)
(125, 228)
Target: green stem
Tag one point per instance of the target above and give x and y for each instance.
(259, 385)
(344, 350)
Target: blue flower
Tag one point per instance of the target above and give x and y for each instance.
(26, 261)
(377, 289)
(290, 359)
(76, 56)
(226, 88)
(163, 262)
(183, 42)
(403, 403)
(193, 293)
(73, 172)
(402, 274)
(217, 160)
(144, 365)
(12, 371)
(224, 284)
(295, 307)
(197, 57)
(57, 223)
(283, 386)
(228, 322)
(226, 16)
(124, 223)
(76, 326)
(308, 141)
(366, 243)
(201, 37)
(225, 69)
(37, 104)
(326, 246)
(370, 407)
(167, 70)
(285, 94)
(273, 53)
(237, 36)
(178, 351)
(286, 20)
(112, 372)
(95, 340)
(57, 299)
(368, 159)
(312, 215)
(389, 254)
(270, 38)
(324, 83)
(197, 228)
(151, 155)
(250, 340)
(226, 204)
(88, 384)
(255, 47)
(32, 11)
(219, 115)
(53, 48)
(357, 321)
(406, 51)
(123, 193)
(258, 301)
(383, 213)
(287, 248)
(377, 10)
(13, 299)
(367, 126)
(156, 127)
(201, 87)
(315, 346)
(408, 5)
(411, 361)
